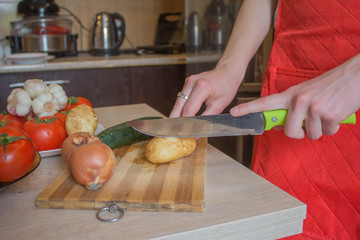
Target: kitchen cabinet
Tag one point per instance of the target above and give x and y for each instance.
(155, 85)
(101, 86)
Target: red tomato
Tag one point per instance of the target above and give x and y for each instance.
(47, 133)
(75, 101)
(10, 120)
(17, 153)
(62, 115)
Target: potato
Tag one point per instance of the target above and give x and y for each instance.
(81, 118)
(167, 149)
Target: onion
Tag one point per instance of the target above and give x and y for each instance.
(74, 141)
(92, 165)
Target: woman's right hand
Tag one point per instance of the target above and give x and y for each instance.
(321, 103)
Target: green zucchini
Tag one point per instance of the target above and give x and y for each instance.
(123, 134)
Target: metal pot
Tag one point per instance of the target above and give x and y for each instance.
(47, 43)
(50, 34)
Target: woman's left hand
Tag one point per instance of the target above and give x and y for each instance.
(322, 103)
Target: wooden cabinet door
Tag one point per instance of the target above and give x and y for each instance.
(103, 87)
(157, 86)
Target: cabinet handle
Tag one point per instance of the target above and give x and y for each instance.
(60, 82)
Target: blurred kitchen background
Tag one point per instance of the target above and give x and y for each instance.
(140, 16)
(198, 29)
(206, 24)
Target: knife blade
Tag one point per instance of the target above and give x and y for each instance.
(215, 125)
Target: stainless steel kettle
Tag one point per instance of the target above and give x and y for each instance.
(108, 34)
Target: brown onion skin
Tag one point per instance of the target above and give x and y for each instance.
(74, 141)
(92, 165)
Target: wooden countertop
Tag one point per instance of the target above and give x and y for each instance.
(238, 204)
(85, 61)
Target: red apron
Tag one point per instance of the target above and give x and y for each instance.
(311, 37)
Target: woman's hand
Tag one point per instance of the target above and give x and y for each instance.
(215, 88)
(322, 102)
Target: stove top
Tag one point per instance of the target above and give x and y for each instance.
(161, 49)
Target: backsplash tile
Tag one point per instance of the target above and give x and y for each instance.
(7, 14)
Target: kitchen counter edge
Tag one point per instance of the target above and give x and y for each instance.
(85, 61)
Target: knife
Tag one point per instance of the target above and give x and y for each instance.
(216, 125)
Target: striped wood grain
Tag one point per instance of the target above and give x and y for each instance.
(136, 184)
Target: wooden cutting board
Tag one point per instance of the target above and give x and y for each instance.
(136, 184)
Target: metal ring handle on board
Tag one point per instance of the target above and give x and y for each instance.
(112, 208)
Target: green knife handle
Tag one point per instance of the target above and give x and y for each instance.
(278, 117)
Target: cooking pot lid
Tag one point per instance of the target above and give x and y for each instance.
(47, 19)
(49, 25)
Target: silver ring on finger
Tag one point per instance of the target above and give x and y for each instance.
(184, 96)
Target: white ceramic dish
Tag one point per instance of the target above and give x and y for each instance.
(36, 55)
(54, 152)
(50, 153)
(99, 129)
(30, 60)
